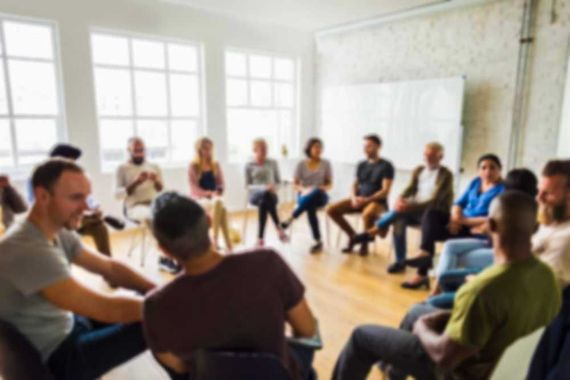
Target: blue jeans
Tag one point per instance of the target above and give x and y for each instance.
(465, 253)
(400, 220)
(450, 282)
(92, 349)
(310, 203)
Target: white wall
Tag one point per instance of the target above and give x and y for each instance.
(75, 18)
(481, 42)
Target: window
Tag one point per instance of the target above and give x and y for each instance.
(261, 101)
(147, 87)
(31, 120)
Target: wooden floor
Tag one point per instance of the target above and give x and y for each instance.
(344, 291)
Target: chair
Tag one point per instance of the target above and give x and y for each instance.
(229, 365)
(141, 238)
(515, 361)
(19, 360)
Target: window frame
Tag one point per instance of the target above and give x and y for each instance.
(21, 171)
(199, 73)
(295, 109)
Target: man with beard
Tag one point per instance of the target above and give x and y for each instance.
(139, 182)
(46, 303)
(552, 244)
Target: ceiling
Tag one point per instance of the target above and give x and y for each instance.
(310, 15)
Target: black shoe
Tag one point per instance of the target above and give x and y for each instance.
(419, 262)
(397, 267)
(114, 222)
(317, 248)
(364, 237)
(285, 225)
(168, 265)
(349, 247)
(423, 283)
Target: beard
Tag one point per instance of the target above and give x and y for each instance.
(548, 214)
(137, 160)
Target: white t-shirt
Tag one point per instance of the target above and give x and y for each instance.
(426, 184)
(145, 192)
(552, 244)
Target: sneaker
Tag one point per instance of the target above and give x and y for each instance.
(396, 267)
(168, 265)
(316, 248)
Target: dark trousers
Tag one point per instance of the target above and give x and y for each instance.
(310, 203)
(266, 202)
(92, 349)
(550, 359)
(435, 228)
(94, 226)
(399, 348)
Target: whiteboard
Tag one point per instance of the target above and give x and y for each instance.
(406, 115)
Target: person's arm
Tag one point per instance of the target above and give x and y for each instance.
(113, 271)
(442, 191)
(195, 190)
(172, 361)
(73, 296)
(297, 182)
(383, 193)
(158, 182)
(302, 320)
(444, 351)
(220, 183)
(327, 186)
(412, 187)
(474, 222)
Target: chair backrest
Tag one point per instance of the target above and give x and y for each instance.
(515, 361)
(19, 360)
(229, 365)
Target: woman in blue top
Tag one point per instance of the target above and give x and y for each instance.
(468, 217)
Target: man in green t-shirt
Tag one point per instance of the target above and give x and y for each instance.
(511, 299)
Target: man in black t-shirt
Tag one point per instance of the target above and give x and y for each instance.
(236, 302)
(369, 195)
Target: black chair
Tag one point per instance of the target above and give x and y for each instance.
(227, 365)
(19, 360)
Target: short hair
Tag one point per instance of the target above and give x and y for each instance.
(309, 145)
(133, 140)
(48, 172)
(259, 141)
(558, 167)
(522, 179)
(490, 157)
(435, 145)
(374, 138)
(68, 151)
(515, 214)
(180, 225)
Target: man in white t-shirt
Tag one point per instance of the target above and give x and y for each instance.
(431, 186)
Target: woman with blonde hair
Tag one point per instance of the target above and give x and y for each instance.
(262, 179)
(207, 187)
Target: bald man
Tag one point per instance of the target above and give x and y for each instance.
(509, 300)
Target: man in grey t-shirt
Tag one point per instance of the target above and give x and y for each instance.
(43, 300)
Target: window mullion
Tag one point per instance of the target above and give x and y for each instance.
(134, 110)
(7, 82)
(168, 105)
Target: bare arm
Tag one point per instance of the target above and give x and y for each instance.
(73, 296)
(382, 193)
(114, 271)
(474, 222)
(301, 320)
(172, 361)
(445, 353)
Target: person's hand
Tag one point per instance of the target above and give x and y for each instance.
(480, 230)
(434, 321)
(401, 205)
(470, 277)
(152, 177)
(142, 177)
(307, 190)
(4, 181)
(358, 202)
(455, 225)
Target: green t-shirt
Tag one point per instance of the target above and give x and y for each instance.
(503, 303)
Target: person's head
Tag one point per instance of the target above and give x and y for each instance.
(260, 148)
(489, 167)
(68, 151)
(313, 148)
(204, 149)
(554, 192)
(513, 219)
(522, 179)
(372, 145)
(180, 226)
(137, 151)
(433, 154)
(61, 189)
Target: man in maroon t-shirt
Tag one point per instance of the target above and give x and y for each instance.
(231, 302)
